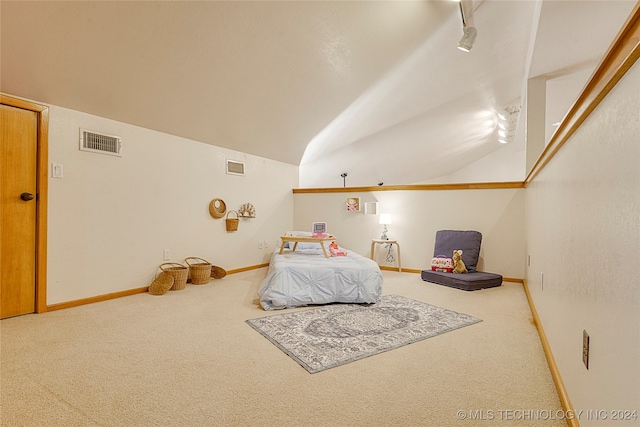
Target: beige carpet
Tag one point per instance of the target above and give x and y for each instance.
(189, 359)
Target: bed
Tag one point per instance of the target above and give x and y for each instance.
(306, 277)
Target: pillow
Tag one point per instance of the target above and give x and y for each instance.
(469, 241)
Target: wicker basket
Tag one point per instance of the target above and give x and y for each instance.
(162, 284)
(218, 272)
(199, 271)
(217, 208)
(232, 223)
(179, 273)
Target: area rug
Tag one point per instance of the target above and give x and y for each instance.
(333, 335)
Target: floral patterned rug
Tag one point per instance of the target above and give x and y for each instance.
(328, 336)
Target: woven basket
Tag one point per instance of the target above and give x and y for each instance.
(162, 284)
(218, 272)
(232, 223)
(217, 208)
(179, 273)
(199, 271)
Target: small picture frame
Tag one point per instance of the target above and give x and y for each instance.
(353, 204)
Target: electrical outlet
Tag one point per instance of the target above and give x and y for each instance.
(166, 254)
(265, 244)
(529, 261)
(585, 348)
(260, 244)
(542, 281)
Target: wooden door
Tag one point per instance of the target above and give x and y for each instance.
(18, 192)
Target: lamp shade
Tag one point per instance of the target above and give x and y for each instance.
(385, 219)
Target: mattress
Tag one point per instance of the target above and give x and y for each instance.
(468, 281)
(306, 277)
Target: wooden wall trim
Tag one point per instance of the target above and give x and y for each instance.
(126, 293)
(415, 187)
(251, 267)
(42, 168)
(97, 298)
(553, 367)
(21, 103)
(620, 57)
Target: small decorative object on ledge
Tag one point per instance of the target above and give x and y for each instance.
(247, 211)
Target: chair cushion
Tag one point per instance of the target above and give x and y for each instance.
(469, 241)
(467, 282)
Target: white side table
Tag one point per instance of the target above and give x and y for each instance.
(376, 242)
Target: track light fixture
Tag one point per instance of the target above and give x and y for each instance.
(507, 123)
(344, 178)
(466, 42)
(468, 33)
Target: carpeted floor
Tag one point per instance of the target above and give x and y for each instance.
(189, 359)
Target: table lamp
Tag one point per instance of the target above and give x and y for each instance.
(385, 219)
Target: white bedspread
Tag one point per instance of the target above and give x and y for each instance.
(306, 277)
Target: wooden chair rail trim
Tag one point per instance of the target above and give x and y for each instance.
(415, 187)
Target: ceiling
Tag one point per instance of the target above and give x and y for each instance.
(373, 88)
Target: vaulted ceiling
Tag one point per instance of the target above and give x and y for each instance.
(373, 88)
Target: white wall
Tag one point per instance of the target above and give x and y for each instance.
(503, 165)
(561, 93)
(417, 215)
(583, 234)
(110, 218)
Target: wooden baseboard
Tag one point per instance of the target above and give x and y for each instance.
(555, 372)
(120, 294)
(251, 267)
(97, 298)
(389, 268)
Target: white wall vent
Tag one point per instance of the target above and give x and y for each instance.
(100, 143)
(235, 168)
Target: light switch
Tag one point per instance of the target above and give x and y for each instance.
(57, 170)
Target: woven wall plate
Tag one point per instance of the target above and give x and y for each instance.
(217, 208)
